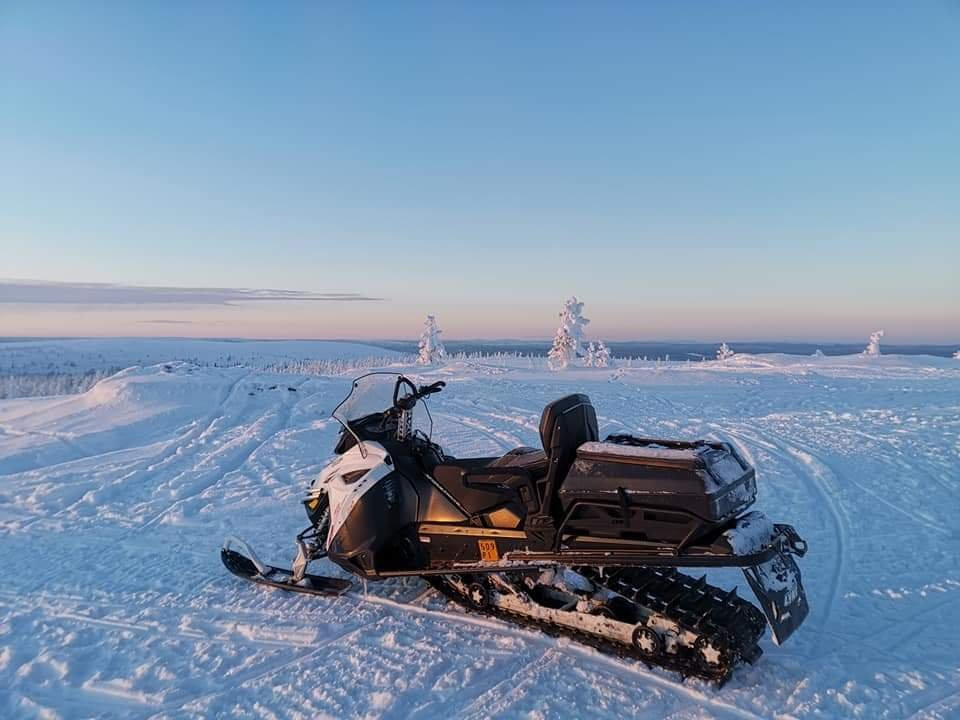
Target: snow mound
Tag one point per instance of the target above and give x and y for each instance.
(138, 404)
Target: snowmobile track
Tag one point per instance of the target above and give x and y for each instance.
(558, 643)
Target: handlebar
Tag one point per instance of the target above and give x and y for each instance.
(431, 389)
(408, 401)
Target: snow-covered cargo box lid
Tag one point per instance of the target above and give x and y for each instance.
(708, 479)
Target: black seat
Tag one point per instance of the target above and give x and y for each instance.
(484, 485)
(524, 480)
(451, 474)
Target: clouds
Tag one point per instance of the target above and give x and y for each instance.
(75, 293)
(38, 308)
(165, 322)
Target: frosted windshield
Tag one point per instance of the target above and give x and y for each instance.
(373, 393)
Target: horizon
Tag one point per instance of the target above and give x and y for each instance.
(545, 340)
(310, 171)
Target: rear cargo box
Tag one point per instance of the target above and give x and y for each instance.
(654, 489)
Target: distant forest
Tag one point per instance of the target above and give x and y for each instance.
(675, 350)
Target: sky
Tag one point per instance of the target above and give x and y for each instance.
(706, 171)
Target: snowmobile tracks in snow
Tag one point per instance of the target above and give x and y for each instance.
(723, 624)
(821, 481)
(720, 620)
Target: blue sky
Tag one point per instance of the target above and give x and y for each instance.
(742, 170)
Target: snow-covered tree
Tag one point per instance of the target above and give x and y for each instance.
(431, 350)
(873, 347)
(725, 352)
(601, 358)
(568, 342)
(590, 357)
(563, 351)
(818, 353)
(956, 355)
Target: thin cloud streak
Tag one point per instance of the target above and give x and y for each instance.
(165, 322)
(75, 293)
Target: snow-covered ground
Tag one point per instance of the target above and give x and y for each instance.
(114, 503)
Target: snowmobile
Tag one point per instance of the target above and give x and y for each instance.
(581, 537)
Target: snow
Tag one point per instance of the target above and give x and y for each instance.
(114, 504)
(99, 353)
(724, 469)
(751, 534)
(652, 451)
(49, 367)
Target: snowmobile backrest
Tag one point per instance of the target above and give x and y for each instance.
(566, 424)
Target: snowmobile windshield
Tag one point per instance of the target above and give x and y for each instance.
(368, 411)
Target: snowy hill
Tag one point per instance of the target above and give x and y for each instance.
(114, 503)
(80, 354)
(30, 368)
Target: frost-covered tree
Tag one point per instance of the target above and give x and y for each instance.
(818, 353)
(568, 342)
(873, 347)
(725, 352)
(601, 358)
(563, 351)
(431, 350)
(956, 355)
(590, 358)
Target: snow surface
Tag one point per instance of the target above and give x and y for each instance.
(114, 504)
(723, 469)
(652, 451)
(752, 532)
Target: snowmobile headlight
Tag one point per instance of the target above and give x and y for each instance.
(351, 477)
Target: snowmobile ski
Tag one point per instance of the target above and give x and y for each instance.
(249, 567)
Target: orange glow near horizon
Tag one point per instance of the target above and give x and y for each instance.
(396, 320)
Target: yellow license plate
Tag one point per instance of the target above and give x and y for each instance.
(488, 550)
